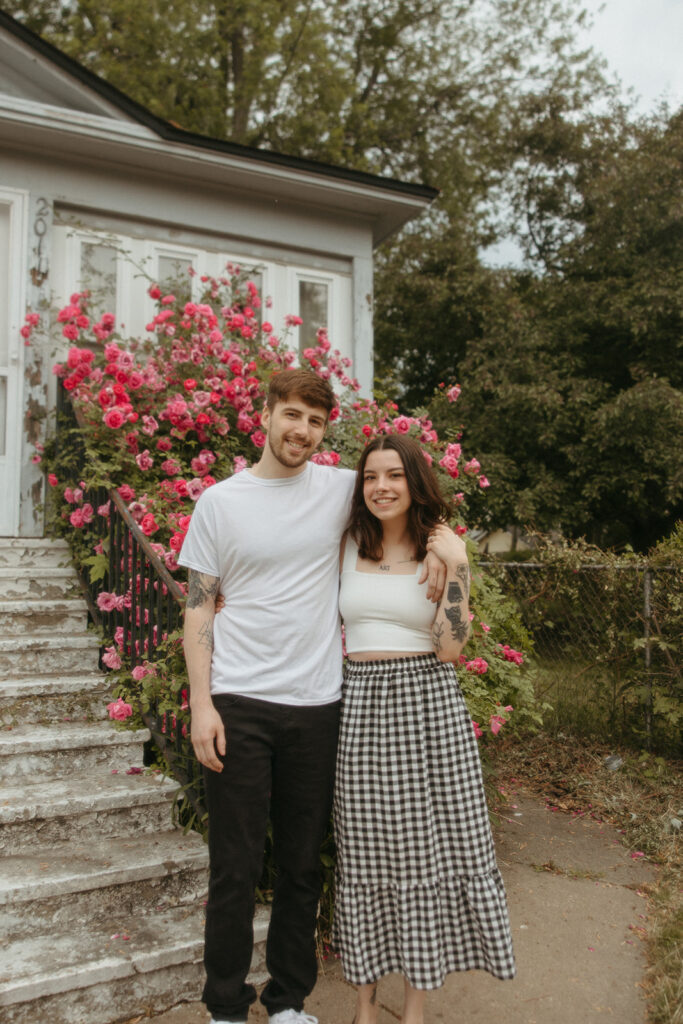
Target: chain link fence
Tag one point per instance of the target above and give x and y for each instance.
(606, 646)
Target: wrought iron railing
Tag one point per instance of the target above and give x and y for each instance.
(153, 600)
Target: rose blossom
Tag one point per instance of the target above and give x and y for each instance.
(119, 710)
(114, 418)
(148, 524)
(144, 460)
(194, 488)
(112, 660)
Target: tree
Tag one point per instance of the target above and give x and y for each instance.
(383, 85)
(572, 387)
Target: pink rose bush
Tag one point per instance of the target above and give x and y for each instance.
(168, 415)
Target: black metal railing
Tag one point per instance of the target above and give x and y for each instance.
(149, 601)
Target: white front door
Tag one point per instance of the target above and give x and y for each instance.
(13, 207)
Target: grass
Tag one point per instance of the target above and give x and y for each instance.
(641, 798)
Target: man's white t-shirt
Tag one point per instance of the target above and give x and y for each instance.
(274, 545)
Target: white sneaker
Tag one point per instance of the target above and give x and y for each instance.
(292, 1017)
(212, 1021)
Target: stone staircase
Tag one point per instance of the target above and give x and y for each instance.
(101, 898)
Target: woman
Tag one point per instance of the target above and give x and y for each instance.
(418, 888)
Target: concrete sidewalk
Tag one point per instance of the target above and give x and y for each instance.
(576, 912)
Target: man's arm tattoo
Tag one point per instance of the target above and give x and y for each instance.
(202, 587)
(206, 636)
(437, 633)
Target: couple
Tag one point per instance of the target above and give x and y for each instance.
(418, 890)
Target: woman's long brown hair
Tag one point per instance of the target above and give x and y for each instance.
(427, 507)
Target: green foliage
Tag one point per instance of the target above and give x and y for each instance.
(572, 379)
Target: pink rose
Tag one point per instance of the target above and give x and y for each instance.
(472, 467)
(478, 666)
(496, 722)
(107, 602)
(402, 424)
(112, 660)
(144, 460)
(259, 438)
(114, 418)
(149, 425)
(148, 525)
(119, 710)
(52, 480)
(194, 488)
(453, 393)
(126, 492)
(477, 731)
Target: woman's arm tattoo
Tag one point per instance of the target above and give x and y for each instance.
(202, 587)
(457, 597)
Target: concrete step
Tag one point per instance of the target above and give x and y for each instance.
(58, 655)
(92, 883)
(135, 965)
(42, 552)
(67, 748)
(35, 815)
(68, 615)
(50, 699)
(32, 582)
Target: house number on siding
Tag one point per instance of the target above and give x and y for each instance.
(40, 271)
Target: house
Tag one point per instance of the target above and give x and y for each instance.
(97, 192)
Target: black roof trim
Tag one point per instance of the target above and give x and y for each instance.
(171, 133)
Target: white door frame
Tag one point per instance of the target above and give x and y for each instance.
(11, 320)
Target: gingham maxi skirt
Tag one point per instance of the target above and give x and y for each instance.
(418, 889)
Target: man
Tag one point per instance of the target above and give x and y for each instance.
(265, 687)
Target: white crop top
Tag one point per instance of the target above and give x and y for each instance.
(383, 612)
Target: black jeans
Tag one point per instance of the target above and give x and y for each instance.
(280, 760)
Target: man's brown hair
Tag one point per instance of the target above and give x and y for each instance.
(303, 384)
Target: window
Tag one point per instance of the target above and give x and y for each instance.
(118, 268)
(99, 276)
(174, 278)
(313, 310)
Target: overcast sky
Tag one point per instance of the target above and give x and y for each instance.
(642, 41)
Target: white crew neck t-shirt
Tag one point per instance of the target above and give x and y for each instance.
(274, 545)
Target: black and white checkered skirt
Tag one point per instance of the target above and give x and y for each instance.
(418, 889)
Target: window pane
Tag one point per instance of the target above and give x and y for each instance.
(174, 277)
(312, 310)
(3, 415)
(98, 275)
